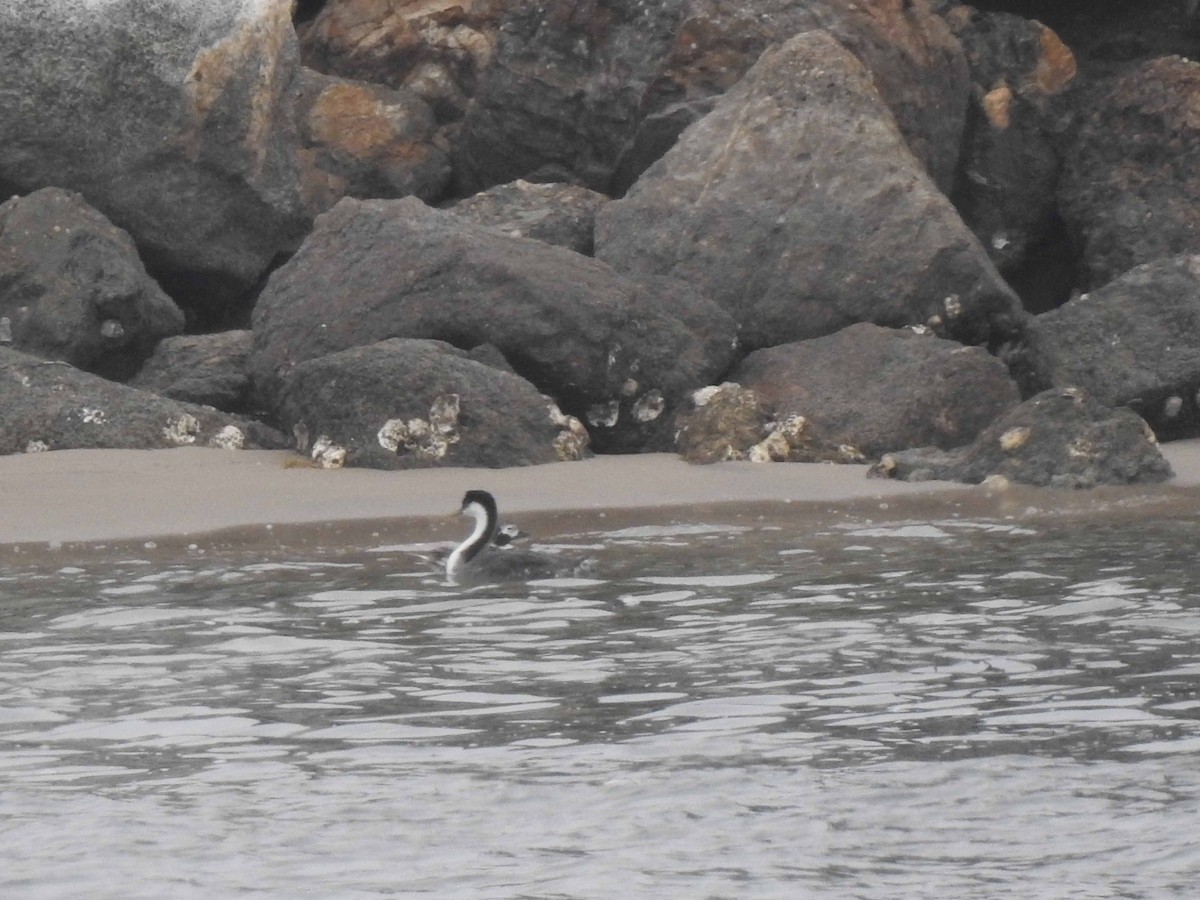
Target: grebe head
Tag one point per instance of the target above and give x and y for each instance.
(482, 501)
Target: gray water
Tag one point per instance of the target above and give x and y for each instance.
(968, 709)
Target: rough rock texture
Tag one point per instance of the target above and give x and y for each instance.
(365, 140)
(1059, 438)
(53, 406)
(72, 287)
(1130, 191)
(882, 389)
(171, 118)
(796, 204)
(433, 47)
(595, 92)
(616, 353)
(1135, 342)
(730, 422)
(210, 369)
(561, 214)
(1006, 191)
(402, 404)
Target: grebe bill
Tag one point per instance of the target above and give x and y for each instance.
(475, 559)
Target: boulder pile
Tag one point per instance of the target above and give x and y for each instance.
(496, 233)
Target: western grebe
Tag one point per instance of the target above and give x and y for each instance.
(477, 559)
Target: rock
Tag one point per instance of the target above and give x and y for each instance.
(1134, 342)
(729, 422)
(53, 406)
(173, 118)
(435, 49)
(366, 140)
(616, 353)
(723, 424)
(209, 369)
(401, 404)
(560, 214)
(1006, 193)
(764, 205)
(1130, 191)
(72, 287)
(1060, 438)
(595, 92)
(881, 389)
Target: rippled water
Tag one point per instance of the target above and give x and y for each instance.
(924, 708)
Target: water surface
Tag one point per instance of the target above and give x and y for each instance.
(729, 708)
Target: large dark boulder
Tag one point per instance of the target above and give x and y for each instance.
(192, 126)
(210, 369)
(560, 214)
(1134, 342)
(51, 405)
(72, 287)
(1060, 438)
(1006, 191)
(616, 353)
(881, 389)
(595, 92)
(402, 404)
(1130, 191)
(172, 118)
(797, 205)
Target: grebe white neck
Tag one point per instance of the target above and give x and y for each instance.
(485, 524)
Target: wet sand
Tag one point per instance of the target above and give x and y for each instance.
(116, 495)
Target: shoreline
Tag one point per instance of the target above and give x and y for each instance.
(89, 496)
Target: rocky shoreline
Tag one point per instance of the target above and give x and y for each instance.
(949, 242)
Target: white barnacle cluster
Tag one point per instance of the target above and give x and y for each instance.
(327, 454)
(649, 406)
(92, 415)
(703, 395)
(429, 438)
(604, 415)
(782, 437)
(181, 429)
(229, 438)
(572, 441)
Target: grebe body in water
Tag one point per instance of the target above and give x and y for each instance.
(477, 559)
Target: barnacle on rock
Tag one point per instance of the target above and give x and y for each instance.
(182, 429)
(327, 454)
(229, 438)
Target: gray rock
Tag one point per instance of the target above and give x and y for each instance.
(1134, 342)
(53, 406)
(1059, 438)
(594, 93)
(209, 369)
(1019, 69)
(436, 50)
(560, 214)
(365, 140)
(401, 404)
(615, 353)
(1130, 191)
(72, 287)
(796, 205)
(881, 389)
(730, 422)
(173, 119)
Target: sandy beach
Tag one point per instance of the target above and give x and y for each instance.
(114, 495)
